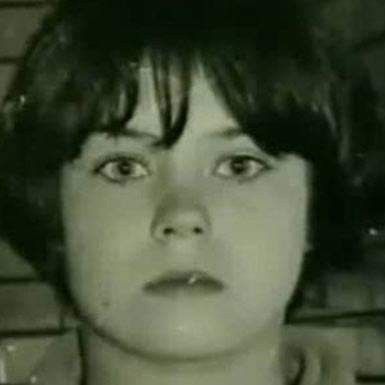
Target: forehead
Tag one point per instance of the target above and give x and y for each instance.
(207, 113)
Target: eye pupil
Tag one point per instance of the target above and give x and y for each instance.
(125, 168)
(121, 169)
(238, 166)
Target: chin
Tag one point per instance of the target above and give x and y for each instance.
(187, 348)
(190, 345)
(189, 331)
(186, 339)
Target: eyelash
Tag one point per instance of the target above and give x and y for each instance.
(115, 159)
(264, 166)
(140, 160)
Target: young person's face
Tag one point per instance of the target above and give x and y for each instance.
(139, 219)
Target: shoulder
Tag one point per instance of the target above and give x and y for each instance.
(318, 356)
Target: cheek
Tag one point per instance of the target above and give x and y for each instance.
(105, 237)
(265, 234)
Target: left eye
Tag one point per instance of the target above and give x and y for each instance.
(240, 167)
(119, 170)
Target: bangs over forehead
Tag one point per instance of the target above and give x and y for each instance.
(78, 80)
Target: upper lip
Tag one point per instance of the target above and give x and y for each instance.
(175, 279)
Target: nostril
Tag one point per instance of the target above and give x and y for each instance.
(171, 230)
(198, 230)
(168, 231)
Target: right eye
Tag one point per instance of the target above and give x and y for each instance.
(241, 167)
(121, 169)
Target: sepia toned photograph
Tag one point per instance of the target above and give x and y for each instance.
(192, 192)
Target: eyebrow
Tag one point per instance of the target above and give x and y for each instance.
(137, 135)
(229, 133)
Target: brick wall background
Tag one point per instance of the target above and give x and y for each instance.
(353, 303)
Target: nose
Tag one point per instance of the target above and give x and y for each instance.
(180, 219)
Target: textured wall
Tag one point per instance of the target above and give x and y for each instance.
(18, 21)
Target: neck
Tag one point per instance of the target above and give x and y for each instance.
(258, 364)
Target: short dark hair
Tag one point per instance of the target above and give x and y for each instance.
(288, 89)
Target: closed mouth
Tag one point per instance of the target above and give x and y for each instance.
(192, 282)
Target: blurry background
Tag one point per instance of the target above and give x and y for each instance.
(347, 306)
